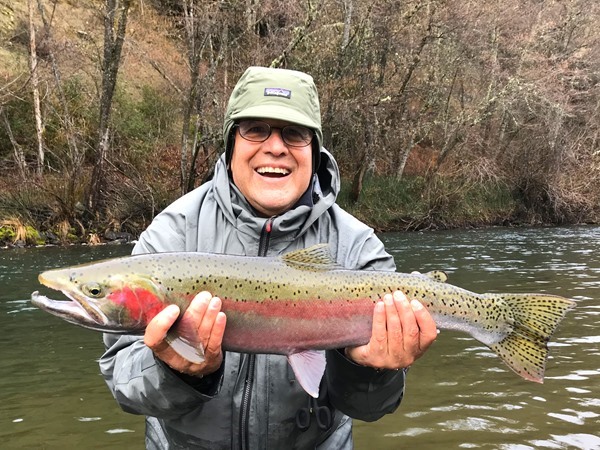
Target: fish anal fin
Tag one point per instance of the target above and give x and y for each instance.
(309, 367)
(314, 258)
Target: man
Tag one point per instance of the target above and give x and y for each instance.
(273, 191)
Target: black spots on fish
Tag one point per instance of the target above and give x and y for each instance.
(73, 277)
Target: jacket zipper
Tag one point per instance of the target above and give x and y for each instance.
(263, 247)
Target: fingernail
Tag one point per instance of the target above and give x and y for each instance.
(400, 297)
(215, 303)
(416, 305)
(204, 297)
(172, 310)
(387, 298)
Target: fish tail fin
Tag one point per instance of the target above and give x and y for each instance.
(535, 317)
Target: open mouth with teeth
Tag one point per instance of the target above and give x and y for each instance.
(74, 311)
(273, 172)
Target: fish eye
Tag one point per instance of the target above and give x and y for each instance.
(92, 290)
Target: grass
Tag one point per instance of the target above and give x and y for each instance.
(387, 204)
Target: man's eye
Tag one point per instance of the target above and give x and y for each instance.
(257, 130)
(297, 134)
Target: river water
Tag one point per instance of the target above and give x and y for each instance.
(459, 395)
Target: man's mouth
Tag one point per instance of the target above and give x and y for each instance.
(273, 172)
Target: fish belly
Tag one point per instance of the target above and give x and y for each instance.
(289, 326)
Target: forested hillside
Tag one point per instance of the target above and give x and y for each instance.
(441, 113)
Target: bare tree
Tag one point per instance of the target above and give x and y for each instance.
(206, 40)
(33, 70)
(115, 27)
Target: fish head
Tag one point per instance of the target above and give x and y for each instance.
(102, 297)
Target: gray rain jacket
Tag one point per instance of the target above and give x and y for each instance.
(252, 401)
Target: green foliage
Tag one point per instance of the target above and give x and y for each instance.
(19, 112)
(13, 230)
(141, 122)
(412, 203)
(7, 234)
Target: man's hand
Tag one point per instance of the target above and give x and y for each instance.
(402, 332)
(204, 314)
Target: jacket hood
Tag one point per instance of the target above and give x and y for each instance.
(288, 226)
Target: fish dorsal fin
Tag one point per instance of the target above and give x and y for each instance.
(309, 367)
(437, 275)
(313, 258)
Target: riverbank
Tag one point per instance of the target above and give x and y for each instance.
(385, 204)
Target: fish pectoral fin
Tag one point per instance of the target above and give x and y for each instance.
(186, 348)
(309, 367)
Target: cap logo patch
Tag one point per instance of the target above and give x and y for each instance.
(278, 92)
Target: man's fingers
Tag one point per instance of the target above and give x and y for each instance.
(157, 329)
(379, 326)
(213, 347)
(198, 306)
(426, 324)
(395, 306)
(208, 319)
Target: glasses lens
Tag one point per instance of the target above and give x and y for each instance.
(254, 130)
(297, 136)
(258, 131)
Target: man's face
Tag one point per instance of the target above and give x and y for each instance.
(271, 174)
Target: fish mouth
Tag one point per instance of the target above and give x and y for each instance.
(75, 311)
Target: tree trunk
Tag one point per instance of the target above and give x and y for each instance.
(39, 129)
(114, 36)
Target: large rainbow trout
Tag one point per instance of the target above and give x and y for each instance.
(294, 305)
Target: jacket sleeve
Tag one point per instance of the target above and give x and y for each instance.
(142, 384)
(362, 392)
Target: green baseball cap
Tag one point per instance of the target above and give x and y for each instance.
(267, 93)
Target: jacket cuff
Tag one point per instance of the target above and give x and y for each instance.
(208, 385)
(362, 392)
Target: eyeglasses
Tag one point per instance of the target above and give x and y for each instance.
(258, 131)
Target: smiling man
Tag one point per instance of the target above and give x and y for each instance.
(272, 163)
(274, 191)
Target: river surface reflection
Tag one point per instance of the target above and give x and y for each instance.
(459, 395)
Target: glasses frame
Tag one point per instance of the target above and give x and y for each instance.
(281, 131)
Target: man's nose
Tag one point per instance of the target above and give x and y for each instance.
(275, 142)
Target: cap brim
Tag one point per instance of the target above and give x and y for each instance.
(276, 112)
